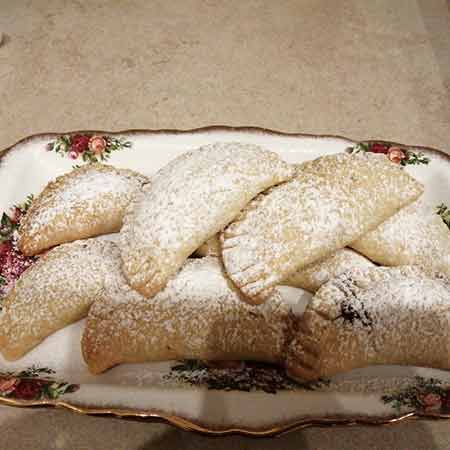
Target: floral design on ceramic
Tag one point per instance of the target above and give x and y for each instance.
(88, 147)
(444, 212)
(424, 395)
(395, 153)
(12, 262)
(33, 384)
(236, 375)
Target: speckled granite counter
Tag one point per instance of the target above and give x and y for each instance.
(358, 68)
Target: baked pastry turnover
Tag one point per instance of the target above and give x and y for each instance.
(187, 202)
(382, 315)
(415, 235)
(53, 293)
(199, 315)
(86, 202)
(333, 201)
(318, 273)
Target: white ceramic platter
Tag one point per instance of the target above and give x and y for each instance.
(185, 397)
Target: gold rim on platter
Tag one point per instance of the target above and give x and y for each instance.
(211, 128)
(186, 424)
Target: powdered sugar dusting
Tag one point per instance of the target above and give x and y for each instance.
(415, 235)
(188, 201)
(313, 276)
(376, 316)
(118, 388)
(199, 315)
(332, 201)
(56, 291)
(94, 191)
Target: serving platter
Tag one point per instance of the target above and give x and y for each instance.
(254, 399)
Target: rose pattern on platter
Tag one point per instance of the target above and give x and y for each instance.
(33, 384)
(88, 147)
(425, 395)
(431, 401)
(396, 154)
(12, 261)
(8, 385)
(244, 376)
(97, 144)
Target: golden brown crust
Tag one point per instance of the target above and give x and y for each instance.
(188, 201)
(87, 202)
(381, 315)
(199, 315)
(313, 276)
(333, 200)
(415, 235)
(53, 293)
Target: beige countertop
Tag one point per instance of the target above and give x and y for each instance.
(360, 68)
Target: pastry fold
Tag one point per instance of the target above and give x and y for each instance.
(199, 315)
(382, 315)
(87, 202)
(333, 201)
(188, 201)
